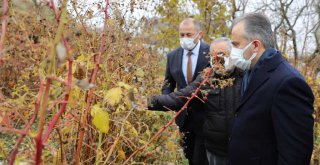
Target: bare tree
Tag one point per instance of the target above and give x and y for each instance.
(317, 31)
(238, 6)
(293, 23)
(290, 23)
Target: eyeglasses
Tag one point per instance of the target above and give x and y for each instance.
(220, 56)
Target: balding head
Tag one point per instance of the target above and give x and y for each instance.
(191, 22)
(190, 28)
(221, 44)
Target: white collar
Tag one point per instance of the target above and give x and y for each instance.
(195, 50)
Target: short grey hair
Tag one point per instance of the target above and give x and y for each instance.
(223, 39)
(257, 26)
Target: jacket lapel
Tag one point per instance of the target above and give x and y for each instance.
(202, 59)
(180, 76)
(261, 76)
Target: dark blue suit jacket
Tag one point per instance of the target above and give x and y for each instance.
(273, 124)
(174, 79)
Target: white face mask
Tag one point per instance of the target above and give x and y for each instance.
(188, 43)
(237, 58)
(228, 64)
(211, 61)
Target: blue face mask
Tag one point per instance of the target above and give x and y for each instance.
(238, 59)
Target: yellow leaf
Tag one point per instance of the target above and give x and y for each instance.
(74, 94)
(120, 108)
(170, 146)
(132, 130)
(140, 72)
(33, 134)
(124, 85)
(90, 66)
(100, 119)
(135, 90)
(121, 154)
(147, 132)
(142, 141)
(309, 79)
(113, 96)
(94, 109)
(84, 58)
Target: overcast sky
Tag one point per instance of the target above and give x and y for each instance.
(148, 11)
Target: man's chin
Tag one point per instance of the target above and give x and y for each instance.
(230, 70)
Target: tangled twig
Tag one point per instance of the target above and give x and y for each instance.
(4, 24)
(90, 93)
(193, 95)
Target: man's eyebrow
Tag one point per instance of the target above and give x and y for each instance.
(234, 43)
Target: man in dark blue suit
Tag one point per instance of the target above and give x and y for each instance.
(273, 124)
(183, 66)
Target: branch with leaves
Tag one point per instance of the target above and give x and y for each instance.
(207, 80)
(55, 53)
(3, 28)
(90, 93)
(28, 126)
(185, 106)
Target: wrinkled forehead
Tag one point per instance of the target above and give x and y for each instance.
(220, 47)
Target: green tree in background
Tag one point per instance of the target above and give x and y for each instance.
(169, 15)
(213, 15)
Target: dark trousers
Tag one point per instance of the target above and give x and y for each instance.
(194, 149)
(215, 159)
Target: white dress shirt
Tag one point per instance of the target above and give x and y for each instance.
(194, 59)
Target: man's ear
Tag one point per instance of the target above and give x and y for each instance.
(200, 35)
(257, 45)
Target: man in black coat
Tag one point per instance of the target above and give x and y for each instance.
(219, 106)
(273, 124)
(183, 66)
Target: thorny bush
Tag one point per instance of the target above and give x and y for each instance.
(128, 69)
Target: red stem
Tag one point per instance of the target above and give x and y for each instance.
(26, 129)
(193, 95)
(41, 139)
(62, 108)
(89, 96)
(53, 8)
(4, 153)
(4, 24)
(42, 116)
